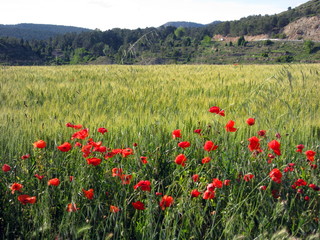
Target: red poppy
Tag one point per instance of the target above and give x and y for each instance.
(135, 144)
(126, 179)
(300, 147)
(250, 121)
(94, 161)
(262, 133)
(71, 178)
(82, 134)
(248, 177)
(195, 193)
(77, 144)
(184, 144)
(195, 177)
(6, 168)
(226, 182)
(217, 183)
(100, 149)
(275, 175)
(208, 194)
(126, 152)
(166, 201)
(54, 182)
(275, 146)
(144, 185)
(217, 110)
(176, 133)
(263, 188)
(209, 146)
(79, 126)
(114, 209)
(254, 144)
(211, 187)
(24, 199)
(198, 131)
(144, 160)
(116, 172)
(138, 205)
(72, 207)
(300, 182)
(39, 144)
(25, 156)
(65, 147)
(16, 187)
(39, 177)
(230, 126)
(310, 155)
(159, 194)
(102, 130)
(205, 160)
(180, 160)
(88, 194)
(314, 187)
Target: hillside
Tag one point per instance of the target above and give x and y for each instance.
(28, 31)
(306, 28)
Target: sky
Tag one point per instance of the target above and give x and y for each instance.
(133, 14)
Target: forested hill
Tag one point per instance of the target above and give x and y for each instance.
(28, 31)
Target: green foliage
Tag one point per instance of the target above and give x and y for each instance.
(308, 46)
(241, 41)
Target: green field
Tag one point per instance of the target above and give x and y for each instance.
(141, 106)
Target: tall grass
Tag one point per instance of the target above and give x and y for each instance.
(143, 104)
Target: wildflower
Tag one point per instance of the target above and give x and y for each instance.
(24, 199)
(180, 160)
(195, 177)
(205, 160)
(166, 201)
(254, 144)
(306, 198)
(217, 110)
(208, 194)
(275, 175)
(144, 185)
(310, 155)
(314, 187)
(248, 177)
(25, 156)
(217, 183)
(71, 178)
(54, 182)
(300, 182)
(93, 161)
(195, 193)
(275, 146)
(176, 133)
(39, 177)
(209, 146)
(65, 147)
(198, 131)
(138, 205)
(144, 160)
(6, 168)
(114, 209)
(102, 130)
(125, 178)
(72, 207)
(263, 188)
(262, 133)
(82, 134)
(88, 194)
(211, 187)
(300, 147)
(184, 145)
(39, 144)
(226, 182)
(116, 172)
(16, 187)
(250, 121)
(230, 126)
(126, 152)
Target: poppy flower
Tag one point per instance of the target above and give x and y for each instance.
(198, 131)
(263, 187)
(125, 178)
(180, 160)
(226, 182)
(114, 209)
(300, 182)
(314, 187)
(275, 175)
(310, 155)
(208, 194)
(88, 194)
(195, 177)
(248, 177)
(262, 133)
(176, 133)
(211, 187)
(300, 147)
(100, 149)
(205, 160)
(24, 199)
(166, 201)
(54, 182)
(144, 185)
(39, 144)
(117, 172)
(126, 152)
(135, 144)
(16, 187)
(25, 156)
(250, 121)
(275, 146)
(217, 110)
(217, 183)
(72, 207)
(79, 126)
(6, 168)
(209, 146)
(184, 145)
(254, 144)
(39, 177)
(77, 144)
(82, 134)
(195, 193)
(144, 160)
(230, 126)
(93, 161)
(65, 147)
(102, 130)
(138, 205)
(71, 178)
(159, 194)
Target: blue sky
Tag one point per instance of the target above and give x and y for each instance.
(132, 14)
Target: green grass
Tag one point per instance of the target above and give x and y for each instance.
(143, 105)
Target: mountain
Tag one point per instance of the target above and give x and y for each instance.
(28, 31)
(187, 24)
